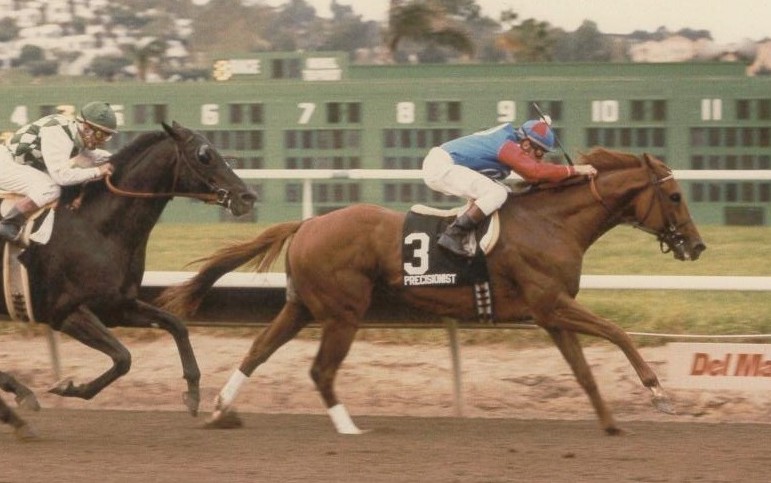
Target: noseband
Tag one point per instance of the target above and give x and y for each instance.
(218, 196)
(670, 236)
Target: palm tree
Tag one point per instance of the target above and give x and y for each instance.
(144, 52)
(424, 21)
(530, 41)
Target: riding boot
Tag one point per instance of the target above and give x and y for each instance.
(453, 237)
(10, 225)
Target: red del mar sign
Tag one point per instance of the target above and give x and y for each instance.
(719, 366)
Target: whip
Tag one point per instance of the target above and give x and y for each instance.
(547, 120)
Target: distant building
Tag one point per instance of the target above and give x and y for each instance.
(762, 63)
(675, 48)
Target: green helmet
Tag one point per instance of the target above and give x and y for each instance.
(100, 115)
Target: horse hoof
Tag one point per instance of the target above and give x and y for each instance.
(65, 387)
(28, 402)
(224, 419)
(25, 433)
(614, 431)
(664, 404)
(192, 401)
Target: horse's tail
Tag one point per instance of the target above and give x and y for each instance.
(259, 253)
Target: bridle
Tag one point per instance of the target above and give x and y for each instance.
(217, 195)
(670, 236)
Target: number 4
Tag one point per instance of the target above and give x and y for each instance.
(20, 116)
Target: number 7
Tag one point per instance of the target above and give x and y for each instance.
(307, 111)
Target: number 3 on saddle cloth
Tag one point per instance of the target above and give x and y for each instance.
(425, 264)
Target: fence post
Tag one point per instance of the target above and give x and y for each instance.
(452, 332)
(307, 198)
(53, 346)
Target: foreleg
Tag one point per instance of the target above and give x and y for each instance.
(146, 315)
(570, 347)
(569, 315)
(84, 326)
(25, 398)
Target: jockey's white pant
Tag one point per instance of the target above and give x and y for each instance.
(441, 174)
(26, 180)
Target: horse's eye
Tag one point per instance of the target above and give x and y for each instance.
(203, 155)
(675, 197)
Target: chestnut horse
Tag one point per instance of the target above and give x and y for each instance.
(335, 261)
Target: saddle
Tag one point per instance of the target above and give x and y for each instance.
(37, 227)
(425, 264)
(491, 227)
(16, 288)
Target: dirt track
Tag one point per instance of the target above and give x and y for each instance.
(107, 446)
(529, 421)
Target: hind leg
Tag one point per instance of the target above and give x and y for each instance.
(21, 429)
(570, 347)
(292, 318)
(336, 339)
(85, 327)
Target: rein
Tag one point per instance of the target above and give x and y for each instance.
(219, 196)
(596, 193)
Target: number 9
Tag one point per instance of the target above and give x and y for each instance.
(507, 111)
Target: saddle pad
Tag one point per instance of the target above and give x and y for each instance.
(426, 264)
(18, 299)
(39, 225)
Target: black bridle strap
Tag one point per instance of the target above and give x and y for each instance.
(670, 235)
(217, 197)
(671, 232)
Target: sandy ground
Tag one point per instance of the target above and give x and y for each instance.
(375, 380)
(528, 419)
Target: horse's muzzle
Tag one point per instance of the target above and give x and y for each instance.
(696, 249)
(683, 250)
(241, 203)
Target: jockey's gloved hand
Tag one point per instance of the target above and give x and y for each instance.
(585, 170)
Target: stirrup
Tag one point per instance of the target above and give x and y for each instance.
(454, 245)
(8, 236)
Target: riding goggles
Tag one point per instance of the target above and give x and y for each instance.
(98, 135)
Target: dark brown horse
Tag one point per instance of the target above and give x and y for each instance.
(24, 398)
(86, 278)
(335, 261)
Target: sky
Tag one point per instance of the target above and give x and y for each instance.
(729, 21)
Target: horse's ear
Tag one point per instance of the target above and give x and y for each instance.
(169, 130)
(175, 130)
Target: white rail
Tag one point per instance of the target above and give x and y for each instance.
(308, 175)
(600, 282)
(682, 174)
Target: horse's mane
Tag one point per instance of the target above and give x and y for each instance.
(602, 159)
(120, 159)
(137, 145)
(606, 159)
